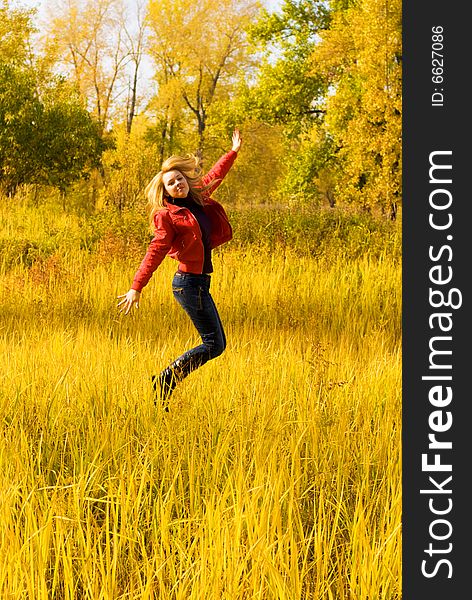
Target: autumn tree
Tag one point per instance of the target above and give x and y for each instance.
(286, 90)
(360, 58)
(47, 138)
(135, 42)
(93, 44)
(199, 49)
(46, 135)
(130, 165)
(16, 29)
(332, 78)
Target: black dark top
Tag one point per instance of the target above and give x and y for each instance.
(205, 227)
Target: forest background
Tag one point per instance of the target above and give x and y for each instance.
(282, 481)
(95, 95)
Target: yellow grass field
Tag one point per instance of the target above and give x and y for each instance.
(276, 475)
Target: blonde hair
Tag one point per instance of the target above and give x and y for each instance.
(189, 166)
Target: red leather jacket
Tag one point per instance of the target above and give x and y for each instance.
(178, 235)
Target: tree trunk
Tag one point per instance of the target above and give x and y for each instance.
(132, 107)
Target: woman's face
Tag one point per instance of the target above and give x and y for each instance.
(175, 184)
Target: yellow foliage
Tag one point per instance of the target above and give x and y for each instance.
(199, 48)
(361, 56)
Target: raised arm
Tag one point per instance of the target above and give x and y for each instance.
(220, 169)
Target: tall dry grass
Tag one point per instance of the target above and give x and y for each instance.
(276, 475)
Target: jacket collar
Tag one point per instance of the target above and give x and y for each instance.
(173, 208)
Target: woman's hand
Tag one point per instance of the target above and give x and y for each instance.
(131, 297)
(237, 140)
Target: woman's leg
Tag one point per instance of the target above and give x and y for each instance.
(192, 292)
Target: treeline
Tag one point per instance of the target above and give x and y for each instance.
(93, 100)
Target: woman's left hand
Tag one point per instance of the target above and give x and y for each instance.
(237, 140)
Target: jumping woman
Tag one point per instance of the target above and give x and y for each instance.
(187, 225)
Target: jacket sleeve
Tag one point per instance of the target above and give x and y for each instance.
(157, 250)
(219, 171)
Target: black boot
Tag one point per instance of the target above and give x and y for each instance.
(163, 385)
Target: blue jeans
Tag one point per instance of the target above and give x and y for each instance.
(192, 292)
